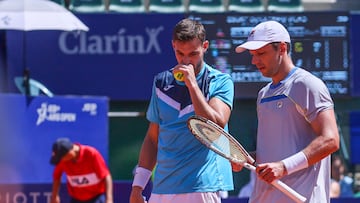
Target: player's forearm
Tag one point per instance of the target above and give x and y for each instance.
(327, 139)
(109, 189)
(147, 158)
(320, 148)
(148, 152)
(199, 102)
(214, 110)
(55, 191)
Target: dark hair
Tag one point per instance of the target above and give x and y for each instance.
(276, 46)
(188, 29)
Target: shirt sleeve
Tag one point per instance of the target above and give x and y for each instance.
(223, 88)
(100, 166)
(312, 96)
(58, 171)
(152, 113)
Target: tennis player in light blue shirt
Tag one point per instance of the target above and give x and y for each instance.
(183, 164)
(186, 170)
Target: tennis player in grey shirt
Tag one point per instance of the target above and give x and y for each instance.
(297, 130)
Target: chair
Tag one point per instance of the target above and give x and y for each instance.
(166, 6)
(206, 6)
(285, 6)
(246, 6)
(127, 6)
(87, 6)
(36, 88)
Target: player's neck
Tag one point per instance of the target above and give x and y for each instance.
(76, 152)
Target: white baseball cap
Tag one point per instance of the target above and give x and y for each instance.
(263, 34)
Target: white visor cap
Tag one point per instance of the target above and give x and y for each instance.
(263, 34)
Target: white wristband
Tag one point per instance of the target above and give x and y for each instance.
(295, 162)
(141, 177)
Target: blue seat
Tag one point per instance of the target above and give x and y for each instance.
(249, 6)
(166, 6)
(206, 6)
(127, 6)
(87, 6)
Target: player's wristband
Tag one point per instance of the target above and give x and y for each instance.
(141, 177)
(295, 162)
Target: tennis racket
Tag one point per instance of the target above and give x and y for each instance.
(222, 143)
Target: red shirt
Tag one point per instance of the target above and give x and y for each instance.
(86, 175)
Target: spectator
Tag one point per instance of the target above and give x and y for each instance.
(338, 173)
(334, 189)
(357, 191)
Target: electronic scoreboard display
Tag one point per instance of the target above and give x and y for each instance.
(320, 44)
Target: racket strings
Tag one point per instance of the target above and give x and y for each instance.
(215, 139)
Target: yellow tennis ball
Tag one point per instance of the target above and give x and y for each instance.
(179, 76)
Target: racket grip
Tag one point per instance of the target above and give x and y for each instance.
(288, 191)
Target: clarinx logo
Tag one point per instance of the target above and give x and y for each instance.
(117, 43)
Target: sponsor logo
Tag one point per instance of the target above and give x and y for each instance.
(6, 20)
(83, 180)
(25, 197)
(73, 43)
(166, 88)
(91, 108)
(51, 112)
(79, 181)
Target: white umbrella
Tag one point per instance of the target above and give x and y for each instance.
(37, 15)
(28, 15)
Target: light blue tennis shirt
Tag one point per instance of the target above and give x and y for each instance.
(184, 165)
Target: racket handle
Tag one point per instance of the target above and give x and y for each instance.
(288, 191)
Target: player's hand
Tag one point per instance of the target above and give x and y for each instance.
(270, 172)
(185, 73)
(55, 199)
(236, 167)
(136, 195)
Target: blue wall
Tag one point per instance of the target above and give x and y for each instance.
(29, 126)
(107, 60)
(110, 60)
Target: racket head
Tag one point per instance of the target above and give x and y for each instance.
(218, 140)
(222, 143)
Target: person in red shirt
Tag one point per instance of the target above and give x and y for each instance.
(88, 177)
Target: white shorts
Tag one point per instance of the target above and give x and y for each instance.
(198, 197)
